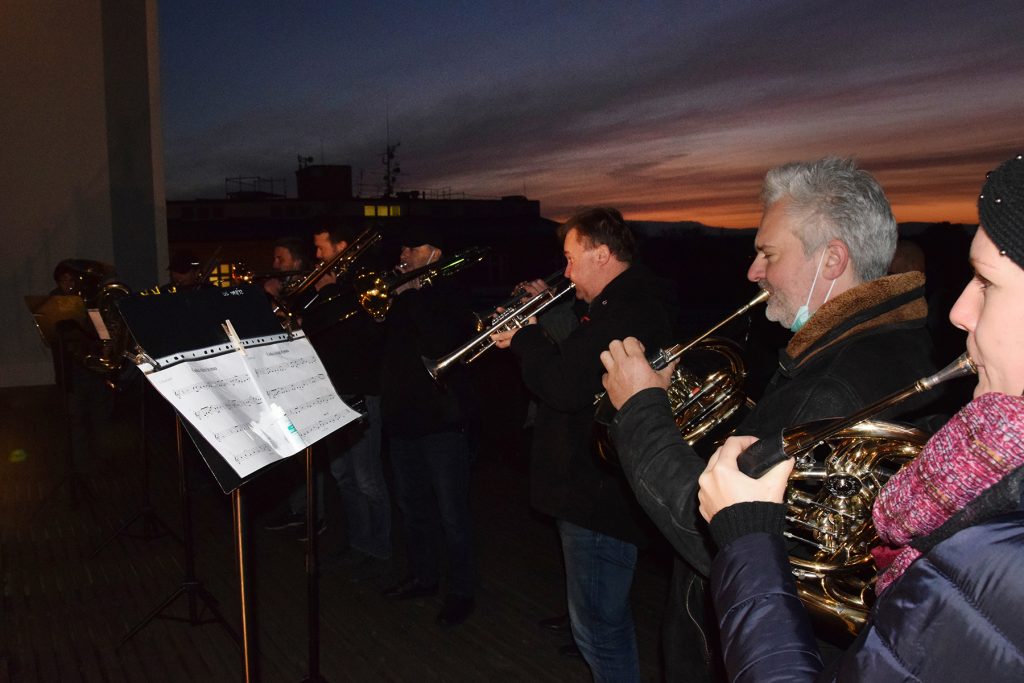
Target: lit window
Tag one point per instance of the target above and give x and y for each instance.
(375, 210)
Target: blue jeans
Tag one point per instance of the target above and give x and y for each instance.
(598, 576)
(359, 473)
(356, 467)
(431, 483)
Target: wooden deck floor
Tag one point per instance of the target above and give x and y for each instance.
(68, 599)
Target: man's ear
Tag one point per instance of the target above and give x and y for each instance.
(837, 259)
(603, 254)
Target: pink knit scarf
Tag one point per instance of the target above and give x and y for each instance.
(981, 444)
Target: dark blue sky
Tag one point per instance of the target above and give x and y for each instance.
(670, 111)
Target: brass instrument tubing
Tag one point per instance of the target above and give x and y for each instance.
(960, 367)
(671, 353)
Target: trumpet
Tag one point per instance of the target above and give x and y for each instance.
(484, 319)
(511, 318)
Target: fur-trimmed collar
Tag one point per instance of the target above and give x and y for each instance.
(885, 301)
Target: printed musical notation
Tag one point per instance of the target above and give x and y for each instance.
(284, 367)
(258, 407)
(297, 386)
(219, 384)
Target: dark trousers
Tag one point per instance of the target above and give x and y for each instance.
(432, 485)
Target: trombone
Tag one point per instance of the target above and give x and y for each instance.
(512, 318)
(338, 264)
(373, 292)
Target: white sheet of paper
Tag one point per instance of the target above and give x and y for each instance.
(97, 322)
(231, 400)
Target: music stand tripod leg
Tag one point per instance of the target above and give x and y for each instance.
(190, 587)
(152, 526)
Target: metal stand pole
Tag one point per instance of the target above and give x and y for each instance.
(72, 478)
(238, 521)
(190, 587)
(312, 575)
(152, 526)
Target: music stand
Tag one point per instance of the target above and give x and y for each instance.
(152, 526)
(48, 312)
(191, 587)
(249, 395)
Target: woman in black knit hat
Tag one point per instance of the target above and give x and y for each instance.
(950, 584)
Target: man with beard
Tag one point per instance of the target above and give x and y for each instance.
(823, 249)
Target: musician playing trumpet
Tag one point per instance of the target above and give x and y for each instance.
(951, 522)
(426, 426)
(598, 522)
(823, 249)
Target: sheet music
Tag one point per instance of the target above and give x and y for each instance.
(258, 407)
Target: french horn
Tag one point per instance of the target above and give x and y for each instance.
(706, 387)
(841, 464)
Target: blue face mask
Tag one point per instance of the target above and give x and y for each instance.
(803, 314)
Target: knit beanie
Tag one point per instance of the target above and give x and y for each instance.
(1001, 208)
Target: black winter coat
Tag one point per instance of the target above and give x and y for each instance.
(567, 478)
(954, 615)
(866, 343)
(428, 322)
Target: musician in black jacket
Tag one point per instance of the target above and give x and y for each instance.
(350, 347)
(823, 250)
(426, 428)
(598, 521)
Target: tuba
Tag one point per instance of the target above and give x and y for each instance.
(511, 318)
(706, 388)
(114, 348)
(841, 464)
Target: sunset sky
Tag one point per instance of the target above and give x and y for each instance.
(667, 110)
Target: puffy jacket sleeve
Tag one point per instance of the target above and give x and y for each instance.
(765, 630)
(662, 471)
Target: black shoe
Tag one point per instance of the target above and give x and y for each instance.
(456, 610)
(559, 624)
(321, 527)
(570, 650)
(408, 589)
(285, 521)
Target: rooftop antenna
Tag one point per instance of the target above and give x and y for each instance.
(392, 169)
